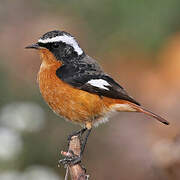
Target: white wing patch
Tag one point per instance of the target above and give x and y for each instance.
(100, 83)
(66, 39)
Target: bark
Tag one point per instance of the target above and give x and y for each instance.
(77, 172)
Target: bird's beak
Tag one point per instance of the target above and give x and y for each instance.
(33, 46)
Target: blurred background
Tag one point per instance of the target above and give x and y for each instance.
(138, 43)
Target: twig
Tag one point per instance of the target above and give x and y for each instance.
(76, 171)
(67, 173)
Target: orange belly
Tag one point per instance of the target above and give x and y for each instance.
(71, 103)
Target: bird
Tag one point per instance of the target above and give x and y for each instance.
(76, 88)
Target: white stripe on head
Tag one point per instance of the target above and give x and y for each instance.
(100, 83)
(65, 39)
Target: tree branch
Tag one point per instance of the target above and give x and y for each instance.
(76, 171)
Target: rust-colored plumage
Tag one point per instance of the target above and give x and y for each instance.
(71, 103)
(76, 87)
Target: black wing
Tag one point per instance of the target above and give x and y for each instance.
(86, 77)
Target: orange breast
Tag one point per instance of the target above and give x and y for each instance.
(71, 103)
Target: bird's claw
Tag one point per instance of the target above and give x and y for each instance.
(71, 159)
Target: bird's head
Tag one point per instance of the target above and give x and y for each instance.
(61, 44)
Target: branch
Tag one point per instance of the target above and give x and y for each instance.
(76, 171)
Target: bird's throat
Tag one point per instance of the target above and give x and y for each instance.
(48, 58)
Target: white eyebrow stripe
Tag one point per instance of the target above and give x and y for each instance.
(100, 83)
(66, 39)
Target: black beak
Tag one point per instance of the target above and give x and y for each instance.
(33, 46)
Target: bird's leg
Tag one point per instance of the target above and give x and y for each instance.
(76, 133)
(83, 145)
(75, 159)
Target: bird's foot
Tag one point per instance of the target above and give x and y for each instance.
(70, 159)
(76, 133)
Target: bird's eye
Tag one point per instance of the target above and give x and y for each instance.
(55, 45)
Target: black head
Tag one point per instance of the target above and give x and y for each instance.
(62, 44)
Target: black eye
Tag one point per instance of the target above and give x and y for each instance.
(55, 45)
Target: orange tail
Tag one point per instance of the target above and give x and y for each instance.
(149, 113)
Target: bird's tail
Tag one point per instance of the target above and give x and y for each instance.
(137, 108)
(149, 113)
